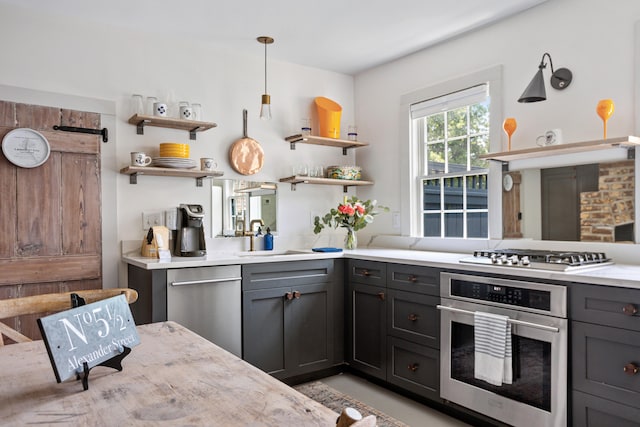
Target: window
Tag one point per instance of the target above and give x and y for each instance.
(450, 133)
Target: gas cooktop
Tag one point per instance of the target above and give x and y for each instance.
(539, 259)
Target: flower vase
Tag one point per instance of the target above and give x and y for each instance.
(350, 241)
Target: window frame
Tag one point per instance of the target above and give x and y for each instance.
(411, 154)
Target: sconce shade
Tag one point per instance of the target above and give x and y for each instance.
(535, 91)
(560, 79)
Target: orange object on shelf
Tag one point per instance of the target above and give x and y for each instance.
(329, 114)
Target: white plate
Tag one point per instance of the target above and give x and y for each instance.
(173, 162)
(26, 148)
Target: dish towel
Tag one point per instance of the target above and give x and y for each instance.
(492, 348)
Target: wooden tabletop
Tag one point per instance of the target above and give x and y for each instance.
(174, 377)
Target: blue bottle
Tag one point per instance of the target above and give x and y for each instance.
(268, 240)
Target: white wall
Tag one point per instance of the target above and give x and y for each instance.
(67, 56)
(594, 39)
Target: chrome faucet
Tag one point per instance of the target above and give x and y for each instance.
(250, 232)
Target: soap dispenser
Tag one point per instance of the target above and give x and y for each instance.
(268, 240)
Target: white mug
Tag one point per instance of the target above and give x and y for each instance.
(186, 113)
(138, 158)
(160, 109)
(550, 137)
(207, 164)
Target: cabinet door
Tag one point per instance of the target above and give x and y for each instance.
(367, 331)
(309, 329)
(591, 411)
(263, 318)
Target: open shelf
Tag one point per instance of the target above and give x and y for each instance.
(134, 171)
(576, 147)
(192, 126)
(320, 140)
(345, 183)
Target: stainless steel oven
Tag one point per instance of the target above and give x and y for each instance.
(539, 329)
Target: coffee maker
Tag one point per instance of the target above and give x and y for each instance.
(190, 233)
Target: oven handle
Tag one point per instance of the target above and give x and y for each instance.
(512, 321)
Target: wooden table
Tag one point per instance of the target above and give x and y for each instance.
(174, 377)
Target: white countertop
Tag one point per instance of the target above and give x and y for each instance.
(622, 275)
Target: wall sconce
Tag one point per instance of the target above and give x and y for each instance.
(560, 79)
(265, 109)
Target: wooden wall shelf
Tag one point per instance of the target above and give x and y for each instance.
(297, 179)
(134, 171)
(192, 126)
(319, 140)
(576, 147)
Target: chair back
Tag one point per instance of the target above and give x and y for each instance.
(51, 303)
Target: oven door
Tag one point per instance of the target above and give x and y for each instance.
(539, 388)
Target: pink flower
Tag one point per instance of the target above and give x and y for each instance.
(360, 209)
(346, 209)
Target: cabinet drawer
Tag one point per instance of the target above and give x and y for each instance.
(592, 411)
(368, 272)
(600, 355)
(414, 317)
(425, 280)
(278, 274)
(414, 367)
(604, 305)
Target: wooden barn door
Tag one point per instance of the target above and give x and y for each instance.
(50, 216)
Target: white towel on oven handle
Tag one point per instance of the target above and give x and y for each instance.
(493, 353)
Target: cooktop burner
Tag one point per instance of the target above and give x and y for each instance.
(539, 259)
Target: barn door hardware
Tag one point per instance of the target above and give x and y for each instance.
(104, 132)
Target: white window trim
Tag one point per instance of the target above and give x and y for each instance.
(410, 157)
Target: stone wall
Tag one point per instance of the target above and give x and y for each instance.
(611, 206)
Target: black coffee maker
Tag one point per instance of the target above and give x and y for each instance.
(190, 233)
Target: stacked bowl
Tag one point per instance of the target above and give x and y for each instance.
(173, 149)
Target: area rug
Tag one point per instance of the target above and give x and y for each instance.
(335, 400)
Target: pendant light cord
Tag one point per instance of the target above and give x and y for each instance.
(265, 68)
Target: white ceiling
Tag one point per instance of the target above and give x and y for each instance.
(346, 36)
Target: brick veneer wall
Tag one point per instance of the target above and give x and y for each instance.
(611, 206)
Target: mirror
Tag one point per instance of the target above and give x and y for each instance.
(235, 203)
(588, 203)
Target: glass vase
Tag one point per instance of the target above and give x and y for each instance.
(350, 240)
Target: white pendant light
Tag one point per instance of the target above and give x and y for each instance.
(265, 109)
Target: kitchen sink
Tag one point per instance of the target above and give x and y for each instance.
(270, 253)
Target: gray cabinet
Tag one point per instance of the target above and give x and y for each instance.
(605, 355)
(293, 316)
(394, 326)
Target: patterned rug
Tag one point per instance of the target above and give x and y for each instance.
(333, 399)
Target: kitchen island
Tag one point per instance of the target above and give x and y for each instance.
(174, 377)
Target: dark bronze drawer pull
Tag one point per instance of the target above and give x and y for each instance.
(296, 294)
(381, 296)
(413, 367)
(288, 296)
(413, 279)
(630, 369)
(413, 317)
(629, 310)
(366, 273)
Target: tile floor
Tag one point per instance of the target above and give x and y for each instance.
(401, 408)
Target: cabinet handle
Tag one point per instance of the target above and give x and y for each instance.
(629, 309)
(296, 294)
(413, 317)
(288, 296)
(366, 273)
(413, 367)
(413, 279)
(630, 369)
(381, 296)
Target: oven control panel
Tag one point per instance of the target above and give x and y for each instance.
(498, 293)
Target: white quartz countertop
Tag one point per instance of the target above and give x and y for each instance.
(622, 275)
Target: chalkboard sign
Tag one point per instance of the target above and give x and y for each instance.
(91, 333)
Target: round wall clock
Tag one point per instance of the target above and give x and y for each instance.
(25, 148)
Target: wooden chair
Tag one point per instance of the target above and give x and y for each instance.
(51, 303)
